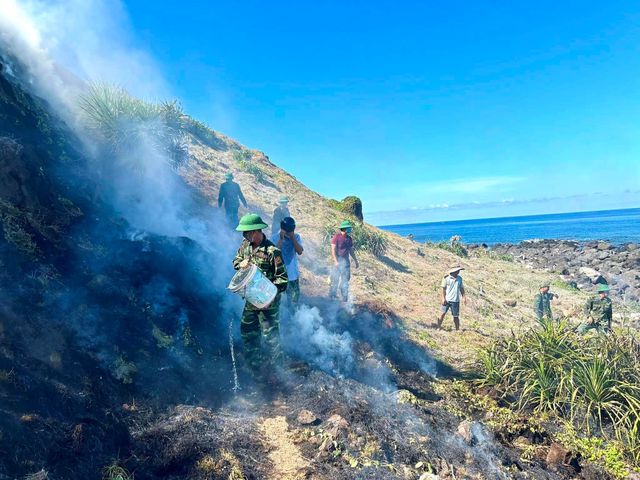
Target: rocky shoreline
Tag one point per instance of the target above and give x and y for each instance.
(583, 265)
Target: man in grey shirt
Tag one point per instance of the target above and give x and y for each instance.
(452, 292)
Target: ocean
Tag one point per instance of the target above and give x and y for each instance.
(616, 226)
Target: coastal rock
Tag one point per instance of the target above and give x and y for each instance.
(593, 275)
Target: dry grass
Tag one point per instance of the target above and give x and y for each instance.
(406, 279)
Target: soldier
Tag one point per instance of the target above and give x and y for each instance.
(281, 212)
(452, 292)
(341, 250)
(290, 243)
(257, 249)
(542, 303)
(599, 312)
(231, 194)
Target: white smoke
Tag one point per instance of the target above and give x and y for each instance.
(309, 339)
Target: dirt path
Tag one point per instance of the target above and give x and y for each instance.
(288, 463)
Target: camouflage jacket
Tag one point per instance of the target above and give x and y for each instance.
(231, 194)
(542, 305)
(599, 310)
(268, 258)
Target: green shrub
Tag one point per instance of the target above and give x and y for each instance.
(454, 245)
(592, 382)
(245, 161)
(125, 122)
(365, 238)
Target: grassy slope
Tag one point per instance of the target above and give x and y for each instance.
(408, 280)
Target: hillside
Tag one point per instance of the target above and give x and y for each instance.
(115, 323)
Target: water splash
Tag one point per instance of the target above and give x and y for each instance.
(236, 384)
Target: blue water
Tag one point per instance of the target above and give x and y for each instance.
(617, 226)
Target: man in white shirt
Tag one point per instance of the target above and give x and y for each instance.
(452, 292)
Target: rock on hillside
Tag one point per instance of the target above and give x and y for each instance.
(584, 264)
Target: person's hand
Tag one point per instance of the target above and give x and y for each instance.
(289, 235)
(244, 263)
(282, 234)
(443, 303)
(336, 263)
(357, 264)
(464, 300)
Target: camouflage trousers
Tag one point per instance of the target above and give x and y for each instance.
(258, 326)
(598, 327)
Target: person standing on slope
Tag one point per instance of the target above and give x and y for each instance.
(231, 195)
(281, 212)
(450, 296)
(341, 251)
(256, 323)
(290, 243)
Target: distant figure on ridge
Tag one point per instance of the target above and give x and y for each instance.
(256, 323)
(341, 250)
(290, 243)
(231, 195)
(599, 312)
(281, 212)
(542, 303)
(452, 292)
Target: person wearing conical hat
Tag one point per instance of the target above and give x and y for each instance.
(280, 213)
(599, 312)
(451, 294)
(341, 253)
(542, 303)
(231, 195)
(256, 248)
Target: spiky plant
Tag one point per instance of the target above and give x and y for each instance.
(126, 123)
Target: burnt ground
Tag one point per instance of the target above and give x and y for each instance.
(399, 428)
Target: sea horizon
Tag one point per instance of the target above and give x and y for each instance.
(614, 225)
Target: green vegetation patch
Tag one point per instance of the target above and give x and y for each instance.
(454, 245)
(591, 382)
(126, 124)
(365, 238)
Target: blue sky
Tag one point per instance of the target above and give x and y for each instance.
(426, 110)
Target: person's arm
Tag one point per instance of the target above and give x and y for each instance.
(241, 197)
(333, 254)
(443, 296)
(464, 297)
(280, 279)
(353, 255)
(587, 309)
(297, 244)
(537, 306)
(220, 196)
(609, 314)
(240, 260)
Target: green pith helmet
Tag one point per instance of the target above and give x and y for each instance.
(345, 224)
(283, 199)
(250, 222)
(603, 288)
(228, 176)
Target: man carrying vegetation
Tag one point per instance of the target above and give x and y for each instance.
(341, 250)
(289, 242)
(257, 249)
(452, 292)
(599, 312)
(542, 303)
(231, 195)
(281, 212)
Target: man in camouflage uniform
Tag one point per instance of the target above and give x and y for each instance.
(599, 312)
(231, 195)
(257, 249)
(542, 303)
